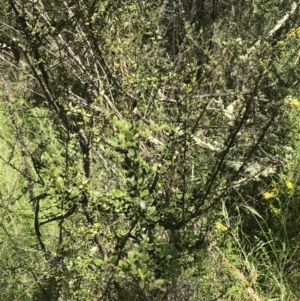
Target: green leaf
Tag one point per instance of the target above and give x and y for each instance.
(131, 255)
(142, 284)
(159, 282)
(121, 138)
(144, 270)
(114, 142)
(151, 210)
(98, 262)
(129, 137)
(134, 270)
(144, 193)
(123, 264)
(131, 152)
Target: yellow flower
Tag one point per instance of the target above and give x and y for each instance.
(274, 209)
(268, 195)
(280, 43)
(220, 226)
(289, 185)
(291, 34)
(294, 103)
(294, 32)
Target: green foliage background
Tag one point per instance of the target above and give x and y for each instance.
(149, 150)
